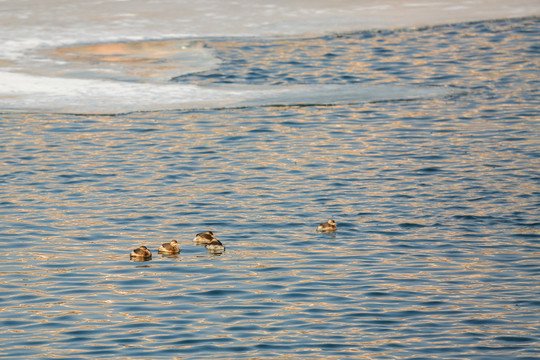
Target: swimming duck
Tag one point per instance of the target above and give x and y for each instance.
(141, 253)
(328, 226)
(215, 246)
(204, 238)
(169, 248)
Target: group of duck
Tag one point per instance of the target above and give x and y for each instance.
(207, 239)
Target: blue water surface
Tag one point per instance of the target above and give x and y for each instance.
(437, 253)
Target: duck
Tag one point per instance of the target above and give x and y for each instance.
(204, 238)
(328, 226)
(169, 248)
(215, 246)
(141, 253)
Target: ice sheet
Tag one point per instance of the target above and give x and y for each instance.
(84, 96)
(46, 42)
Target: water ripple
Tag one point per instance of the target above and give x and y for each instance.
(436, 252)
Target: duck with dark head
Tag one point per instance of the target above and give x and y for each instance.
(141, 254)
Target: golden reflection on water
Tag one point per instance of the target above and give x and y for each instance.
(96, 187)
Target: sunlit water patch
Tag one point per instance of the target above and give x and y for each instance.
(436, 200)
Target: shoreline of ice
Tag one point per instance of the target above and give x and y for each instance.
(32, 78)
(89, 96)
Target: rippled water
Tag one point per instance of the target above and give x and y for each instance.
(436, 199)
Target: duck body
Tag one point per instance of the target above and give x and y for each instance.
(169, 248)
(328, 226)
(204, 238)
(215, 246)
(141, 253)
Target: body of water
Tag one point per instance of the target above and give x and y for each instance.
(421, 142)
